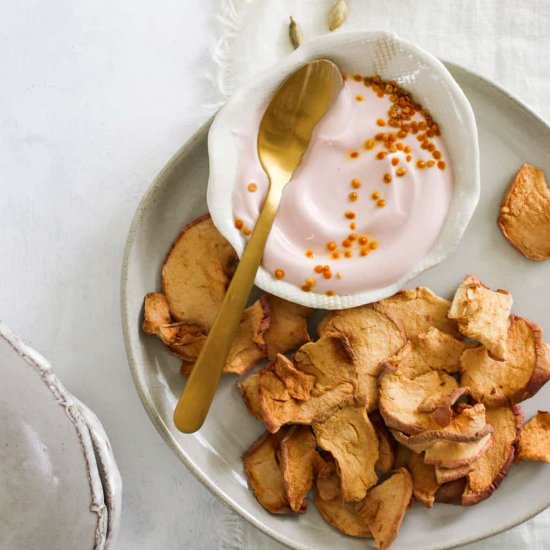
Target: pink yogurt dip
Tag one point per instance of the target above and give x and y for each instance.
(316, 203)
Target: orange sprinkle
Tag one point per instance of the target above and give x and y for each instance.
(431, 147)
(402, 134)
(357, 77)
(375, 195)
(369, 144)
(408, 158)
(436, 155)
(380, 93)
(335, 255)
(380, 203)
(400, 172)
(352, 237)
(363, 240)
(381, 155)
(309, 253)
(430, 163)
(239, 224)
(353, 226)
(348, 254)
(318, 269)
(279, 273)
(327, 273)
(349, 215)
(387, 177)
(252, 187)
(365, 251)
(355, 183)
(420, 164)
(247, 231)
(399, 146)
(381, 122)
(310, 282)
(353, 155)
(441, 165)
(353, 196)
(359, 98)
(332, 246)
(373, 245)
(379, 137)
(393, 149)
(329, 293)
(407, 149)
(395, 161)
(306, 288)
(346, 243)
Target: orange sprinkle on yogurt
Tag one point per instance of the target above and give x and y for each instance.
(252, 187)
(355, 183)
(353, 155)
(279, 273)
(239, 224)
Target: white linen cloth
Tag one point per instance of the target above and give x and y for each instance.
(504, 40)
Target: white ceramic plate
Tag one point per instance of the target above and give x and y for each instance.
(59, 484)
(509, 135)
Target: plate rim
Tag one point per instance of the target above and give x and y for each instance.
(127, 324)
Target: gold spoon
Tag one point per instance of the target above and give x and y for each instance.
(283, 138)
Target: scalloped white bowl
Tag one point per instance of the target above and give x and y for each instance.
(367, 53)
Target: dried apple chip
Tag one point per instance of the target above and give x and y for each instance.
(264, 474)
(352, 440)
(483, 314)
(369, 337)
(446, 475)
(470, 424)
(417, 310)
(385, 506)
(430, 350)
(196, 273)
(249, 346)
(342, 516)
(425, 484)
(525, 214)
(287, 327)
(493, 465)
(524, 371)
(386, 445)
(156, 313)
(534, 443)
(331, 381)
(454, 454)
(401, 396)
(297, 456)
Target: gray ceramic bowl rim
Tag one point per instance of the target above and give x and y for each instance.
(128, 323)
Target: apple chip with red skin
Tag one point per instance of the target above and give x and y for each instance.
(483, 314)
(493, 465)
(524, 371)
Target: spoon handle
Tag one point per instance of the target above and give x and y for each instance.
(200, 388)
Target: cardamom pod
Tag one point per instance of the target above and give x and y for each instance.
(295, 33)
(337, 15)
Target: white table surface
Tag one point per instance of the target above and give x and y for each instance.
(95, 96)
